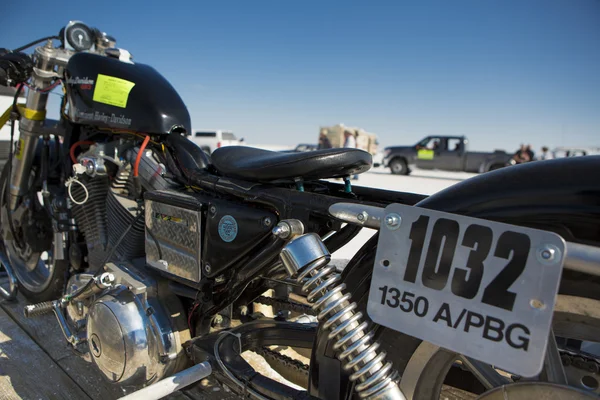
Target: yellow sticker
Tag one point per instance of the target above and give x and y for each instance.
(19, 149)
(425, 154)
(112, 90)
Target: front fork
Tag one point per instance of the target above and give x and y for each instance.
(30, 124)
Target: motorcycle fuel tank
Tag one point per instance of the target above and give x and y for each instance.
(110, 93)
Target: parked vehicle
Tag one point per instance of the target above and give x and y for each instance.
(302, 147)
(152, 256)
(364, 140)
(568, 151)
(210, 140)
(447, 153)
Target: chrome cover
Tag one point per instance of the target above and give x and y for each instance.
(174, 239)
(131, 335)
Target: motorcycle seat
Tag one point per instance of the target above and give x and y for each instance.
(260, 165)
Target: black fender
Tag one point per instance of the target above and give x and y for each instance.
(561, 195)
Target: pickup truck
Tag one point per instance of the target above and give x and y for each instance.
(210, 140)
(442, 152)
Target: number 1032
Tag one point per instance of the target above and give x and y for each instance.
(466, 282)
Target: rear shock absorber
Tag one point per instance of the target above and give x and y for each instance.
(306, 258)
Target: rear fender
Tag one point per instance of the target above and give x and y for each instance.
(562, 196)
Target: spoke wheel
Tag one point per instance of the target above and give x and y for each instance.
(39, 276)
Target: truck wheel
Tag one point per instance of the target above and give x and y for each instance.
(398, 166)
(495, 167)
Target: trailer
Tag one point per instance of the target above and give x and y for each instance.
(366, 141)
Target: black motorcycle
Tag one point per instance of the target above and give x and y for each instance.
(155, 257)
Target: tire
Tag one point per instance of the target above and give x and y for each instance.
(398, 166)
(43, 282)
(495, 167)
(580, 291)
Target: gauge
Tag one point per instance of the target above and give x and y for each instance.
(79, 36)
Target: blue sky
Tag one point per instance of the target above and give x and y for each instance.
(500, 72)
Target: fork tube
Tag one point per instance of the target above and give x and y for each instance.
(32, 118)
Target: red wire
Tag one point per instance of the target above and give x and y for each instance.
(136, 166)
(49, 88)
(74, 146)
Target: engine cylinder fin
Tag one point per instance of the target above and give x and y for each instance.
(121, 212)
(91, 217)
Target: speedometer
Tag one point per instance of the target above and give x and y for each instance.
(79, 36)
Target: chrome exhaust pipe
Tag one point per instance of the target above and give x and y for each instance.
(172, 384)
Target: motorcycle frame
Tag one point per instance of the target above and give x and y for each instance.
(565, 196)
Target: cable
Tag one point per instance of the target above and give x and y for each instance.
(49, 88)
(227, 372)
(69, 184)
(74, 146)
(191, 313)
(35, 42)
(136, 166)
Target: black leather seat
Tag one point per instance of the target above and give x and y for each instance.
(254, 164)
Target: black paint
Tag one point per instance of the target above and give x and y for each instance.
(443, 238)
(479, 238)
(515, 247)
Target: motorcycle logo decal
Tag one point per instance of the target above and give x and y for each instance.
(112, 90)
(112, 118)
(84, 83)
(228, 228)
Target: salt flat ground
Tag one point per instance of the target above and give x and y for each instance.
(419, 181)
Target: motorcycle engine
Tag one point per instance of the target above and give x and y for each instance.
(134, 329)
(110, 208)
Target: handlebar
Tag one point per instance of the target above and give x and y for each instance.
(16, 67)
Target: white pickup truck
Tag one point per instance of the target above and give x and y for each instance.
(210, 140)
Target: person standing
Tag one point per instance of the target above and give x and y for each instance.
(530, 153)
(350, 143)
(545, 155)
(324, 142)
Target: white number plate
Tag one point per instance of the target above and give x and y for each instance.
(479, 288)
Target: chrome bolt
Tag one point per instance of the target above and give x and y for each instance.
(362, 216)
(267, 221)
(282, 230)
(393, 221)
(535, 303)
(548, 254)
(207, 268)
(213, 210)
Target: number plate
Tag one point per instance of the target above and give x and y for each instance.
(476, 287)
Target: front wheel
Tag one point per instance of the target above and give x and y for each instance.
(27, 240)
(398, 166)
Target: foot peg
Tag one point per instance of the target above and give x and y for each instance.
(10, 293)
(36, 310)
